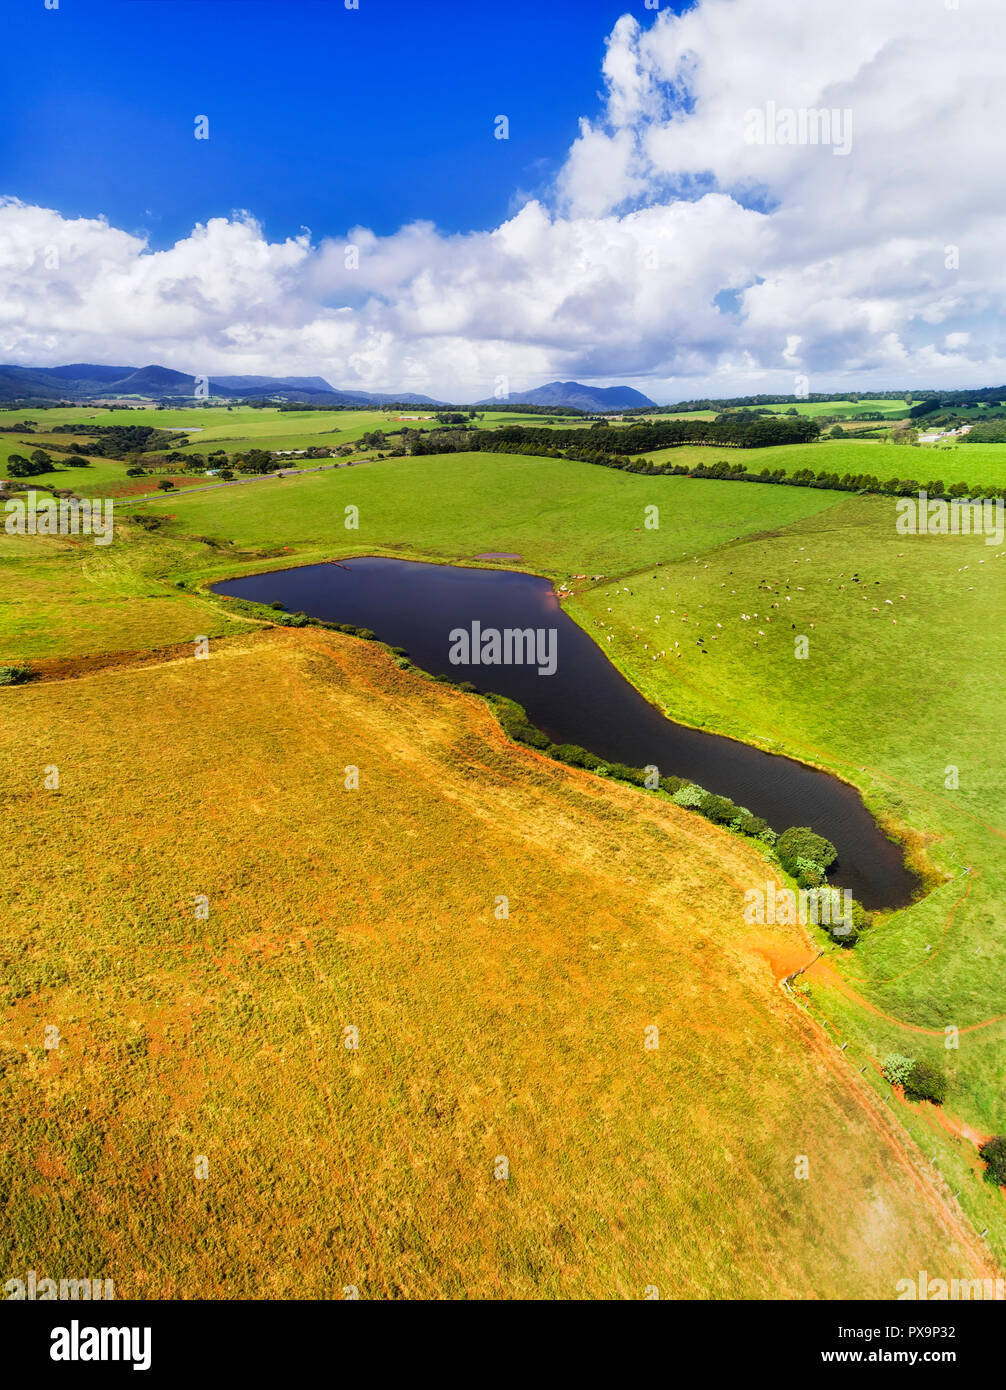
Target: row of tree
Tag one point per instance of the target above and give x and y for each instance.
(118, 441)
(38, 462)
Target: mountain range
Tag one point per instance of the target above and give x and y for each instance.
(87, 381)
(82, 381)
(572, 395)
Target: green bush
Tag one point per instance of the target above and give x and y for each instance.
(688, 795)
(527, 733)
(800, 843)
(842, 935)
(624, 773)
(807, 873)
(575, 756)
(14, 675)
(861, 919)
(926, 1082)
(719, 809)
(993, 1151)
(897, 1068)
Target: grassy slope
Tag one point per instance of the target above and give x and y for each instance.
(65, 596)
(967, 463)
(890, 699)
(888, 704)
(559, 516)
(478, 1037)
(70, 597)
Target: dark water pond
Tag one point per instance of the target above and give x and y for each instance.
(585, 700)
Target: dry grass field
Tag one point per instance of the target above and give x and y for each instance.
(183, 1038)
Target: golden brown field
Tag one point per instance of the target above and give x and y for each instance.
(328, 1166)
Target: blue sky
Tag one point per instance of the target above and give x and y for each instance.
(655, 245)
(319, 116)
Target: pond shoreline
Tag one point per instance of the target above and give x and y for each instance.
(873, 862)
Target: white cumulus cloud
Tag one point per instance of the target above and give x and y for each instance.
(687, 247)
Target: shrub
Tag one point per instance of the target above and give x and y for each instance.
(841, 934)
(670, 785)
(77, 461)
(926, 1082)
(719, 809)
(748, 824)
(526, 733)
(14, 675)
(165, 484)
(799, 843)
(624, 773)
(897, 1068)
(806, 872)
(861, 919)
(688, 795)
(993, 1151)
(575, 756)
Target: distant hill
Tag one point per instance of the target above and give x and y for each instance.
(297, 383)
(87, 381)
(572, 394)
(83, 381)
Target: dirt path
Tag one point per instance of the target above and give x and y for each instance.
(826, 973)
(930, 1187)
(786, 962)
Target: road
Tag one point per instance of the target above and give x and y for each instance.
(236, 482)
